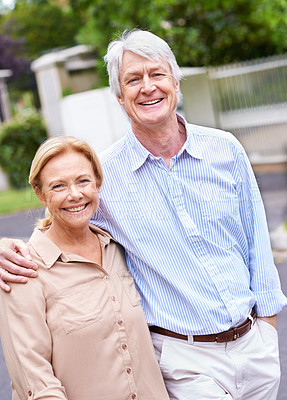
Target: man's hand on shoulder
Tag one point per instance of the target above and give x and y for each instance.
(16, 264)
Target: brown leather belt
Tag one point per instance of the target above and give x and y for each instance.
(222, 337)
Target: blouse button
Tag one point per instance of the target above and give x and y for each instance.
(124, 346)
(106, 277)
(129, 370)
(30, 393)
(113, 298)
(120, 322)
(134, 396)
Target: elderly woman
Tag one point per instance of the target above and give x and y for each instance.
(78, 332)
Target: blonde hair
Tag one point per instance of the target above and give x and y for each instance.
(51, 148)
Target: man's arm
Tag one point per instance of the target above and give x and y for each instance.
(16, 264)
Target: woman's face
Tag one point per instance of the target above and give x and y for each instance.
(69, 190)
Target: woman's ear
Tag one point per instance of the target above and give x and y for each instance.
(40, 195)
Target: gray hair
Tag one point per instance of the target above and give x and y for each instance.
(143, 43)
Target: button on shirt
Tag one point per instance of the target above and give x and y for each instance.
(78, 331)
(195, 232)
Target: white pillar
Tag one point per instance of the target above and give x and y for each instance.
(4, 98)
(54, 73)
(197, 102)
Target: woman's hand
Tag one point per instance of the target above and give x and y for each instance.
(16, 264)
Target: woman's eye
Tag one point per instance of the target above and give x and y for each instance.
(84, 181)
(58, 186)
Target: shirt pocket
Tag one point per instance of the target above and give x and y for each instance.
(221, 220)
(78, 306)
(129, 287)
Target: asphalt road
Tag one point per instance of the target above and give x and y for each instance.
(273, 187)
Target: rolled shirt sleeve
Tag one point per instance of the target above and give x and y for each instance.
(26, 342)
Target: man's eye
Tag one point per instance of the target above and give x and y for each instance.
(133, 80)
(158, 75)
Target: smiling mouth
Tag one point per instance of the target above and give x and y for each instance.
(148, 103)
(76, 209)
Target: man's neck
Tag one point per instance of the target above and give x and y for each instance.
(164, 140)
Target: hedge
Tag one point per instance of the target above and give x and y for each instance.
(20, 137)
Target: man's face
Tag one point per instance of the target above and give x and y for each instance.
(148, 90)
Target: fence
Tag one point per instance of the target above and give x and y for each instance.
(250, 100)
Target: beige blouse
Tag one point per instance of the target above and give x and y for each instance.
(78, 331)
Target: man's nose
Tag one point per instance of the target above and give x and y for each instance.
(147, 84)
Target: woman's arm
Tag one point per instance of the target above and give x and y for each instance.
(27, 344)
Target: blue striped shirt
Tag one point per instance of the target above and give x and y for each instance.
(195, 233)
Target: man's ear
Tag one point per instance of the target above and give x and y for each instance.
(120, 99)
(40, 196)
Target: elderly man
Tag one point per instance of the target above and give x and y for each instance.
(183, 201)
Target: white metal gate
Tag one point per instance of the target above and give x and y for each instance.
(250, 100)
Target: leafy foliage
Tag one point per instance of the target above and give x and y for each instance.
(20, 137)
(206, 32)
(29, 30)
(200, 32)
(43, 26)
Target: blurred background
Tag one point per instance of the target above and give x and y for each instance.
(53, 81)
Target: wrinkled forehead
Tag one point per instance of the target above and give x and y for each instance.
(133, 63)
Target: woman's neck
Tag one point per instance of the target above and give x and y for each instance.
(83, 242)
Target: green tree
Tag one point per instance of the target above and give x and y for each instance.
(224, 31)
(107, 19)
(205, 32)
(37, 27)
(42, 25)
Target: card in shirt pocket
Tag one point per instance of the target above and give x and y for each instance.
(129, 287)
(79, 306)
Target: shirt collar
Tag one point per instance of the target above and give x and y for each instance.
(138, 153)
(49, 252)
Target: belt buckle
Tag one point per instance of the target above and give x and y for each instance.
(235, 334)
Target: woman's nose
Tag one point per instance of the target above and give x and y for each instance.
(74, 192)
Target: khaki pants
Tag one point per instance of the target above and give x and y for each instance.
(246, 369)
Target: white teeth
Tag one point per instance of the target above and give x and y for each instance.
(80, 208)
(151, 102)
